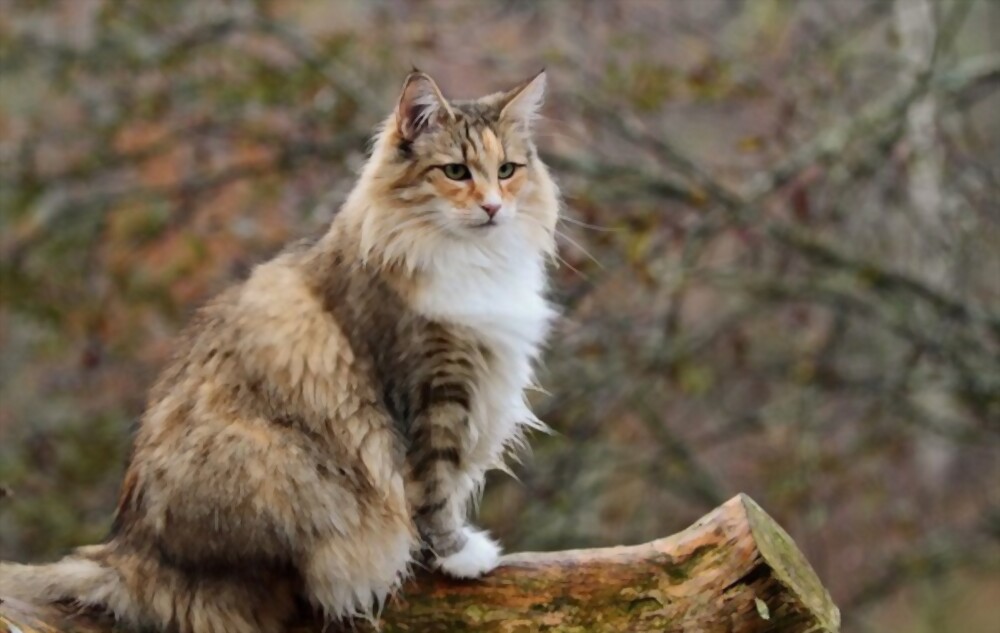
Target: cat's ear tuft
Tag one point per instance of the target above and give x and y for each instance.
(524, 102)
(421, 106)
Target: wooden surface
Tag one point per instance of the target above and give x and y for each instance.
(733, 571)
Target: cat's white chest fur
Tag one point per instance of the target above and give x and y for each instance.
(499, 297)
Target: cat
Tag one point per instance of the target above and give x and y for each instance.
(327, 422)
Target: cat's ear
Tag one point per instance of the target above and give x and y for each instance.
(523, 102)
(421, 106)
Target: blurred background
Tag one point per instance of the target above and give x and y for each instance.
(779, 267)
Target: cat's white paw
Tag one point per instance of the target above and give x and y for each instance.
(480, 555)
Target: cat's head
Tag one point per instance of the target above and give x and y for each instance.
(459, 176)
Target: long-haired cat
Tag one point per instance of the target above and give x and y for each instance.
(332, 416)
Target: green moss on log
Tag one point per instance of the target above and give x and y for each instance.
(734, 571)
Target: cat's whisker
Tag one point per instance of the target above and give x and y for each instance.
(573, 242)
(573, 268)
(559, 258)
(580, 247)
(592, 227)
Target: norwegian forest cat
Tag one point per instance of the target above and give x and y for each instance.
(331, 417)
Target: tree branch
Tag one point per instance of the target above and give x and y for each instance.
(734, 571)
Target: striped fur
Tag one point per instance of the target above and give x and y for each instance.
(332, 416)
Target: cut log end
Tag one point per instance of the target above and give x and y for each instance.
(735, 570)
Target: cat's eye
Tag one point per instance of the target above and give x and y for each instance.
(456, 171)
(506, 170)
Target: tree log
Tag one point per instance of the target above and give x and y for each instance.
(734, 571)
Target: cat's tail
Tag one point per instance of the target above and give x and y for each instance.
(142, 592)
(85, 577)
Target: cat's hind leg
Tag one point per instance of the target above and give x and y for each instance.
(363, 551)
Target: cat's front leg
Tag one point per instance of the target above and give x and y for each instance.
(479, 555)
(443, 483)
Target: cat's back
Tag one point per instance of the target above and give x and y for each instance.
(269, 347)
(264, 381)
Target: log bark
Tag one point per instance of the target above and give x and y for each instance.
(734, 571)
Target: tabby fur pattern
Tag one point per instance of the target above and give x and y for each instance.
(327, 422)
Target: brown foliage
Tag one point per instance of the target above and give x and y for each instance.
(756, 297)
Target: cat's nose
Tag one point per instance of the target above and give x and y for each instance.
(490, 208)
